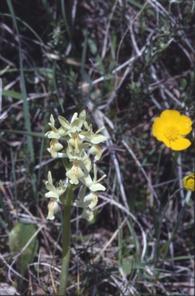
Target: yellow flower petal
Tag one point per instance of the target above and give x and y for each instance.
(189, 182)
(170, 115)
(158, 129)
(185, 125)
(170, 118)
(183, 122)
(180, 144)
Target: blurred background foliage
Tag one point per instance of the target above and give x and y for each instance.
(123, 61)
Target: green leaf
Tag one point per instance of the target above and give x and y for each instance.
(127, 265)
(92, 46)
(19, 237)
(12, 93)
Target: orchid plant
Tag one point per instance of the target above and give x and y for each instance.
(78, 147)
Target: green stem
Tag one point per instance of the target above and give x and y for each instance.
(66, 238)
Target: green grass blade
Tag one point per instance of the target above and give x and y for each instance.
(23, 87)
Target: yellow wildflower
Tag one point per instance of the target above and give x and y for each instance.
(189, 182)
(171, 127)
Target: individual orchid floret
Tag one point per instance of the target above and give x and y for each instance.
(54, 133)
(87, 202)
(76, 142)
(53, 191)
(90, 201)
(75, 125)
(88, 215)
(82, 159)
(94, 184)
(55, 147)
(53, 208)
(96, 151)
(75, 173)
(94, 138)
